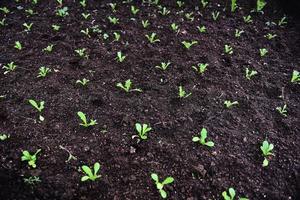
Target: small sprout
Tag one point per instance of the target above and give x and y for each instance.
(84, 123)
(163, 66)
(32, 180)
(142, 130)
(113, 7)
(30, 11)
(190, 16)
(238, 33)
(89, 174)
(233, 5)
(182, 93)
(82, 3)
(202, 138)
(228, 49)
(18, 45)
(49, 48)
(86, 32)
(120, 57)
(215, 15)
(250, 73)
(282, 21)
(38, 107)
(270, 36)
(117, 36)
(230, 195)
(152, 38)
(55, 27)
(229, 104)
(127, 86)
(266, 149)
(295, 77)
(113, 20)
(248, 19)
(160, 185)
(2, 22)
(263, 52)
(201, 68)
(82, 82)
(145, 23)
(188, 45)
(5, 10)
(9, 67)
(134, 10)
(4, 136)
(82, 53)
(28, 26)
(282, 110)
(204, 3)
(60, 3)
(30, 158)
(85, 16)
(175, 27)
(62, 12)
(180, 3)
(164, 11)
(260, 4)
(201, 29)
(43, 71)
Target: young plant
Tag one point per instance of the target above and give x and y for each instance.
(5, 10)
(89, 174)
(250, 73)
(282, 110)
(145, 23)
(18, 45)
(152, 38)
(62, 12)
(270, 36)
(204, 3)
(182, 93)
(175, 27)
(266, 149)
(164, 11)
(201, 138)
(60, 3)
(49, 48)
(30, 158)
(163, 66)
(82, 82)
(86, 32)
(215, 15)
(120, 57)
(230, 195)
(2, 22)
(238, 33)
(260, 4)
(190, 16)
(32, 180)
(295, 77)
(248, 19)
(113, 20)
(82, 3)
(127, 87)
(263, 52)
(201, 29)
(84, 121)
(233, 5)
(188, 45)
(201, 68)
(28, 26)
(228, 49)
(55, 27)
(229, 103)
(29, 11)
(160, 185)
(142, 130)
(117, 37)
(38, 107)
(134, 10)
(9, 67)
(113, 7)
(180, 3)
(82, 53)
(282, 21)
(85, 16)
(43, 72)
(4, 136)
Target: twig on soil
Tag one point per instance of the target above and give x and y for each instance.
(70, 155)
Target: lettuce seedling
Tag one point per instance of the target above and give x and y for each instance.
(282, 110)
(127, 87)
(85, 15)
(204, 3)
(30, 158)
(215, 15)
(55, 27)
(120, 57)
(163, 66)
(49, 48)
(202, 138)
(175, 27)
(201, 29)
(190, 16)
(152, 38)
(188, 45)
(82, 53)
(5, 10)
(83, 118)
(62, 12)
(60, 3)
(266, 149)
(250, 73)
(4, 136)
(182, 93)
(180, 3)
(238, 33)
(142, 130)
(160, 185)
(260, 4)
(164, 11)
(117, 37)
(270, 36)
(30, 11)
(134, 10)
(2, 22)
(28, 26)
(113, 7)
(282, 21)
(201, 68)
(263, 52)
(113, 20)
(9, 67)
(228, 49)
(229, 104)
(43, 72)
(89, 174)
(231, 194)
(295, 77)
(83, 82)
(82, 3)
(32, 180)
(233, 5)
(86, 32)
(248, 19)
(18, 45)
(145, 23)
(38, 107)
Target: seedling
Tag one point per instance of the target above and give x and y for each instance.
(175, 27)
(180, 3)
(260, 4)
(145, 23)
(18, 45)
(120, 57)
(86, 32)
(215, 15)
(266, 149)
(201, 68)
(152, 38)
(282, 110)
(32, 180)
(230, 195)
(201, 138)
(30, 11)
(30, 158)
(4, 136)
(282, 21)
(233, 5)
(142, 130)
(182, 93)
(38, 107)
(238, 33)
(204, 3)
(229, 103)
(5, 10)
(160, 185)
(127, 87)
(82, 3)
(250, 73)
(270, 36)
(62, 12)
(113, 7)
(84, 121)
(228, 49)
(134, 10)
(28, 26)
(248, 19)
(89, 174)
(82, 53)
(9, 67)
(49, 48)
(60, 2)
(163, 66)
(190, 16)
(117, 36)
(295, 77)
(82, 82)
(2, 22)
(55, 27)
(43, 72)
(113, 20)
(201, 29)
(85, 16)
(188, 45)
(263, 52)
(164, 11)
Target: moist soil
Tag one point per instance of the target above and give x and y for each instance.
(200, 172)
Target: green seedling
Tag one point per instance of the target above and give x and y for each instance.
(266, 149)
(34, 2)
(160, 185)
(238, 33)
(55, 27)
(229, 103)
(82, 53)
(215, 15)
(190, 16)
(282, 21)
(175, 27)
(113, 7)
(62, 12)
(127, 86)
(134, 10)
(228, 49)
(32, 180)
(49, 48)
(29, 11)
(202, 67)
(142, 130)
(9, 67)
(248, 19)
(86, 32)
(82, 82)
(30, 158)
(89, 174)
(201, 138)
(2, 22)
(233, 5)
(164, 11)
(18, 45)
(152, 38)
(85, 16)
(4, 136)
(5, 10)
(179, 3)
(38, 107)
(117, 36)
(113, 20)
(60, 3)
(84, 121)
(105, 36)
(82, 3)
(182, 93)
(295, 77)
(163, 66)
(282, 110)
(204, 3)
(250, 73)
(201, 29)
(28, 26)
(270, 36)
(43, 72)
(263, 52)
(230, 195)
(120, 57)
(188, 45)
(145, 23)
(260, 4)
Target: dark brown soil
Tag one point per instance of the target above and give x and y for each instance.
(199, 172)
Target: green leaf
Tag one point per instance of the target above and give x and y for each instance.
(138, 127)
(232, 193)
(225, 196)
(163, 193)
(33, 103)
(168, 180)
(159, 186)
(154, 177)
(87, 170)
(265, 163)
(196, 139)
(82, 116)
(210, 144)
(96, 168)
(84, 178)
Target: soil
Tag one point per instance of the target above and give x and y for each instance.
(126, 164)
